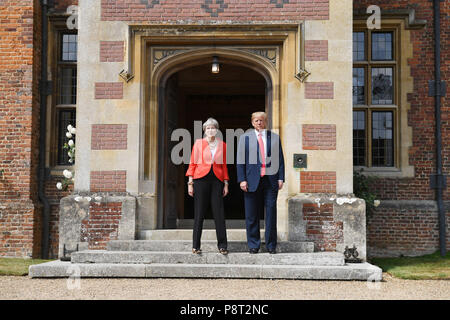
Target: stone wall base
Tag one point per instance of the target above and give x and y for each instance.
(333, 222)
(91, 220)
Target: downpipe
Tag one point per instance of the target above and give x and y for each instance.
(44, 91)
(440, 183)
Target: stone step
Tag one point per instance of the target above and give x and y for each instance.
(64, 269)
(235, 258)
(186, 234)
(207, 245)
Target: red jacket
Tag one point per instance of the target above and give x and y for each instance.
(200, 163)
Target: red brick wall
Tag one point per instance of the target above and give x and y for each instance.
(108, 90)
(318, 182)
(404, 231)
(111, 51)
(319, 136)
(109, 137)
(109, 181)
(321, 227)
(236, 11)
(20, 40)
(319, 90)
(394, 231)
(61, 5)
(54, 196)
(101, 225)
(421, 118)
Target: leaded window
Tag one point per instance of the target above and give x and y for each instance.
(374, 98)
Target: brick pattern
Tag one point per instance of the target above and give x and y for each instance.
(61, 5)
(316, 50)
(318, 181)
(109, 137)
(108, 90)
(54, 196)
(109, 181)
(19, 226)
(111, 51)
(20, 47)
(321, 228)
(394, 232)
(171, 11)
(101, 225)
(319, 90)
(319, 136)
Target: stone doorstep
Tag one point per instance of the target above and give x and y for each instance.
(349, 271)
(207, 246)
(235, 258)
(186, 234)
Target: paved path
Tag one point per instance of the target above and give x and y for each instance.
(390, 288)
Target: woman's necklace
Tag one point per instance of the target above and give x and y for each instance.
(213, 144)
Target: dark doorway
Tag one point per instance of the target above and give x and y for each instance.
(195, 94)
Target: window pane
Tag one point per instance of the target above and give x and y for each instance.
(359, 85)
(359, 53)
(382, 46)
(67, 86)
(382, 139)
(69, 47)
(65, 117)
(382, 86)
(359, 138)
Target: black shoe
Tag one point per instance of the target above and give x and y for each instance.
(253, 250)
(272, 251)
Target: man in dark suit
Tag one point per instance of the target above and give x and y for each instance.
(260, 172)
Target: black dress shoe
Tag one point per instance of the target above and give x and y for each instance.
(272, 251)
(253, 250)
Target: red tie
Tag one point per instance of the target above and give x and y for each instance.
(263, 154)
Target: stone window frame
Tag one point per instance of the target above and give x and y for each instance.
(403, 84)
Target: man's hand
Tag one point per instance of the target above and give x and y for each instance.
(244, 186)
(280, 184)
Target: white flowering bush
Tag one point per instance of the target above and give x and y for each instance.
(70, 147)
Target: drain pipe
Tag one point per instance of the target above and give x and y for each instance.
(439, 91)
(44, 89)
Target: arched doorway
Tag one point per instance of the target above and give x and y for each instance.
(193, 94)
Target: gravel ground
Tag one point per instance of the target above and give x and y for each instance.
(25, 288)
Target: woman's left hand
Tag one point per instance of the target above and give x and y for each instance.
(225, 190)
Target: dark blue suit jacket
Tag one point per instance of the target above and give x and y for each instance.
(248, 162)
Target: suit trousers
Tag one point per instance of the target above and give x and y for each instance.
(265, 196)
(209, 190)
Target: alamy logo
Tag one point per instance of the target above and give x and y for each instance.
(374, 21)
(72, 20)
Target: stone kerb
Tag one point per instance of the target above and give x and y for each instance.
(331, 221)
(91, 222)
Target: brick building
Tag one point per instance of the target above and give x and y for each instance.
(134, 70)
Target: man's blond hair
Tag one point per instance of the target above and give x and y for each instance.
(259, 114)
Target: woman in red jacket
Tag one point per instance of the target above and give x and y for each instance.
(208, 183)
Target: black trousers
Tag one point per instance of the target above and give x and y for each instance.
(209, 190)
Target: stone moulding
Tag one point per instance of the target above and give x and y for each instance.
(409, 15)
(159, 55)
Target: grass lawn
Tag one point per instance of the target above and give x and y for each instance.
(428, 267)
(17, 266)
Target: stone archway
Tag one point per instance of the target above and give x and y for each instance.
(168, 62)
